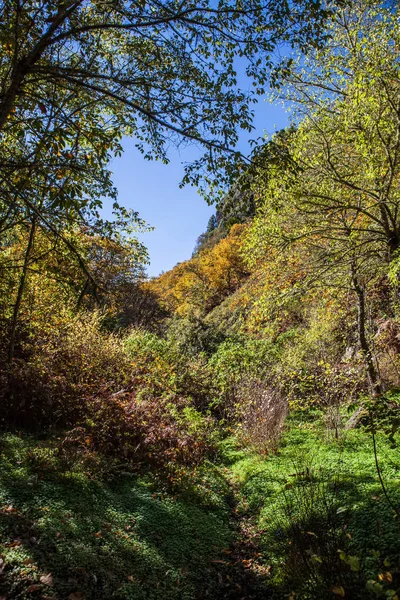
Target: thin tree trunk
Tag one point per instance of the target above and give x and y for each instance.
(82, 295)
(373, 377)
(21, 288)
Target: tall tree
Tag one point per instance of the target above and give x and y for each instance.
(346, 98)
(159, 70)
(331, 182)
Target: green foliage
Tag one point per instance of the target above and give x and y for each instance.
(122, 538)
(237, 359)
(325, 521)
(382, 413)
(150, 70)
(159, 367)
(324, 524)
(283, 321)
(194, 335)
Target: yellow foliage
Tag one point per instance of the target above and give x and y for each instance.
(205, 280)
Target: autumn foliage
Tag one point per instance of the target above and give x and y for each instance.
(203, 282)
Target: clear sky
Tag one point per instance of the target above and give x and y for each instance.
(178, 215)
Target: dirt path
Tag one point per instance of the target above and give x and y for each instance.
(243, 571)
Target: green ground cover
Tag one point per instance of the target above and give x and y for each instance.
(325, 521)
(124, 538)
(311, 518)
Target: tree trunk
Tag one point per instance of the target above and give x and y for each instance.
(393, 244)
(373, 377)
(21, 288)
(82, 295)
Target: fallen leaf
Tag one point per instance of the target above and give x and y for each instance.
(385, 577)
(47, 579)
(76, 596)
(338, 590)
(14, 544)
(28, 561)
(35, 587)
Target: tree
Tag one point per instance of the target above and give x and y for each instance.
(347, 97)
(33, 258)
(331, 182)
(76, 75)
(212, 224)
(198, 285)
(156, 70)
(53, 179)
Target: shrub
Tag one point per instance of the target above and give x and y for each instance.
(387, 347)
(261, 412)
(159, 367)
(236, 362)
(156, 431)
(309, 536)
(62, 366)
(324, 386)
(193, 335)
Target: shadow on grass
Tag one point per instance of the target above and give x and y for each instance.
(330, 535)
(103, 540)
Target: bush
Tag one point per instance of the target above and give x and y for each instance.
(160, 368)
(261, 412)
(238, 361)
(122, 398)
(193, 336)
(62, 366)
(161, 432)
(310, 536)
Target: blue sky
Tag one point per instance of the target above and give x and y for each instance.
(178, 215)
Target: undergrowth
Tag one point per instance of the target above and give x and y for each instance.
(65, 534)
(306, 521)
(327, 528)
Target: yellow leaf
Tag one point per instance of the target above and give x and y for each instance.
(385, 577)
(338, 590)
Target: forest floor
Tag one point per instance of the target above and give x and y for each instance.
(232, 529)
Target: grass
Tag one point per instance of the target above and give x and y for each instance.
(311, 518)
(123, 538)
(318, 502)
